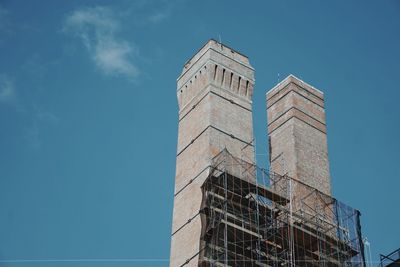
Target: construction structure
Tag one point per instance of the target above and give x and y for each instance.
(390, 260)
(230, 212)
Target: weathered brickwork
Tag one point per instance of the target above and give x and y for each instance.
(297, 133)
(215, 112)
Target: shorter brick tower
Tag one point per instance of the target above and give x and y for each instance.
(297, 133)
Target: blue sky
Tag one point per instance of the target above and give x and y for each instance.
(88, 114)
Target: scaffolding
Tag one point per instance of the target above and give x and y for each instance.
(251, 217)
(390, 260)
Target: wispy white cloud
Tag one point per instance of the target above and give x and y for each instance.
(45, 116)
(7, 90)
(35, 67)
(40, 119)
(3, 15)
(159, 16)
(36, 118)
(113, 56)
(5, 23)
(98, 29)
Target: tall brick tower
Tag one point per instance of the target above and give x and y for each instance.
(215, 113)
(297, 133)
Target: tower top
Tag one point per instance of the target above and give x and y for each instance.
(214, 44)
(212, 49)
(293, 79)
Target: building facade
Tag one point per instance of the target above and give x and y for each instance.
(230, 212)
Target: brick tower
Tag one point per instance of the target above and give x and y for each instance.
(215, 113)
(228, 211)
(297, 133)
